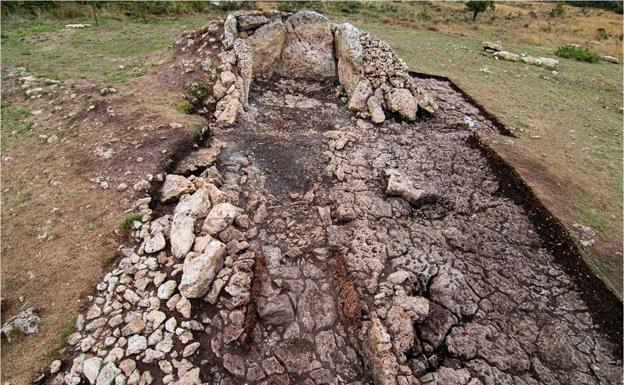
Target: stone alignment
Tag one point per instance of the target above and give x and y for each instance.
(306, 45)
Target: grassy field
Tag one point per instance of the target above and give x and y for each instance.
(115, 51)
(568, 124)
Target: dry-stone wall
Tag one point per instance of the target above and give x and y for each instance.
(306, 45)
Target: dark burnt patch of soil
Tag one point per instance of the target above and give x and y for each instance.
(291, 165)
(285, 139)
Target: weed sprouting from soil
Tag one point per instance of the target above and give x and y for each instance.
(197, 130)
(183, 106)
(109, 259)
(64, 334)
(126, 223)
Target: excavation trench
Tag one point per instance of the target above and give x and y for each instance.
(332, 277)
(474, 254)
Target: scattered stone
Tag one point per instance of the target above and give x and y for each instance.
(506, 55)
(26, 322)
(166, 290)
(107, 374)
(234, 364)
(401, 101)
(136, 345)
(491, 47)
(55, 366)
(220, 217)
(154, 243)
(77, 26)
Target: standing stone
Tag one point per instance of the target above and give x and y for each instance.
(309, 47)
(229, 31)
(244, 62)
(267, 44)
(249, 22)
(349, 53)
(200, 270)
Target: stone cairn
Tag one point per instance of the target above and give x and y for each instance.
(306, 45)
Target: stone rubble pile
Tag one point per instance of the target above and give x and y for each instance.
(307, 45)
(141, 312)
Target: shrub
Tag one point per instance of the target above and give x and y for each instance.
(197, 130)
(557, 11)
(389, 8)
(601, 34)
(578, 53)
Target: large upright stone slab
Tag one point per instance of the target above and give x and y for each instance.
(266, 45)
(349, 54)
(309, 48)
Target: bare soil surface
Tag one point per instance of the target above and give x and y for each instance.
(60, 203)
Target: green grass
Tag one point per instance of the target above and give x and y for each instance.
(183, 106)
(64, 334)
(578, 53)
(115, 51)
(14, 122)
(126, 223)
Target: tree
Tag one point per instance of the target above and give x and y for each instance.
(476, 7)
(97, 23)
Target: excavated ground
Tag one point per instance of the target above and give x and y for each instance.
(333, 253)
(501, 309)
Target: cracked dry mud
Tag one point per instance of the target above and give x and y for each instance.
(363, 255)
